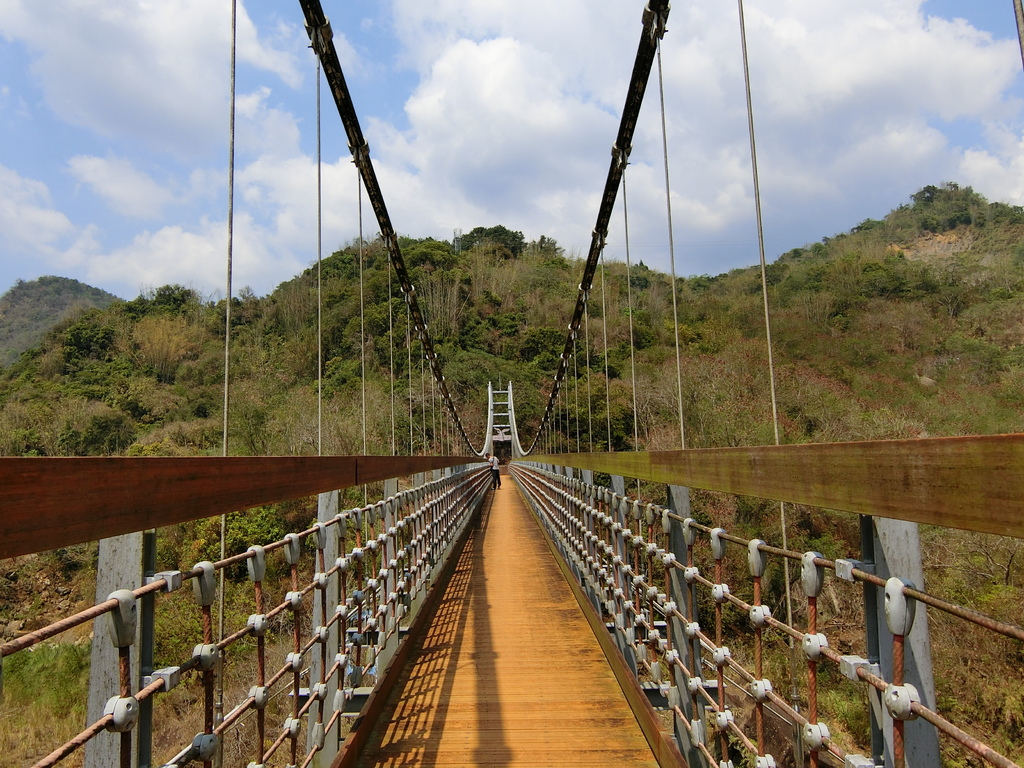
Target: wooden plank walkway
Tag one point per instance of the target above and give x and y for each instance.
(509, 672)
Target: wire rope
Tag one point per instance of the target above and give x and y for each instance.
(408, 346)
(219, 701)
(362, 311)
(576, 391)
(391, 349)
(629, 308)
(423, 398)
(590, 397)
(1018, 12)
(319, 276)
(607, 377)
(768, 330)
(671, 254)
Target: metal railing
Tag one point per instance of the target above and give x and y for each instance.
(637, 565)
(370, 572)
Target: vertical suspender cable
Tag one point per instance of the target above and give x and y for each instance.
(629, 308)
(391, 336)
(767, 330)
(219, 703)
(607, 378)
(408, 346)
(435, 445)
(576, 390)
(590, 402)
(319, 276)
(362, 311)
(423, 397)
(671, 255)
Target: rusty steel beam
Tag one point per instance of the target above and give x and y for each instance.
(46, 503)
(972, 483)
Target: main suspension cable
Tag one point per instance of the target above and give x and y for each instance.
(319, 30)
(655, 17)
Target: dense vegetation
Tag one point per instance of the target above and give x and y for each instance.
(910, 325)
(904, 326)
(29, 310)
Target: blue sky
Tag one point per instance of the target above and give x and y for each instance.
(113, 117)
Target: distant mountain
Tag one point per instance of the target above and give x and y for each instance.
(30, 309)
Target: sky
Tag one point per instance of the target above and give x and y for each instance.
(114, 128)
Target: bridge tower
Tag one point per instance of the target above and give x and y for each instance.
(502, 435)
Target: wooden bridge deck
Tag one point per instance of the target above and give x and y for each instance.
(509, 672)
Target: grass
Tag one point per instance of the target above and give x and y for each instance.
(44, 701)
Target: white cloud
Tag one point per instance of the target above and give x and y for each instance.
(28, 222)
(510, 119)
(155, 71)
(128, 190)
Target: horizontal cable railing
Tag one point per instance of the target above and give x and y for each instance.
(370, 571)
(636, 563)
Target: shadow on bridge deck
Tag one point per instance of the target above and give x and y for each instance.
(509, 672)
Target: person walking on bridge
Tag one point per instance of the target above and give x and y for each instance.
(492, 460)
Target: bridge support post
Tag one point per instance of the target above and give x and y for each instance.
(681, 594)
(897, 552)
(326, 509)
(119, 567)
(619, 484)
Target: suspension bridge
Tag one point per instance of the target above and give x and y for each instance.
(580, 613)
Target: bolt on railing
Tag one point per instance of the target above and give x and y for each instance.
(636, 562)
(398, 547)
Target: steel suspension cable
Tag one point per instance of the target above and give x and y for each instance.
(590, 401)
(423, 398)
(219, 703)
(655, 17)
(362, 314)
(671, 254)
(408, 347)
(319, 276)
(319, 30)
(391, 349)
(767, 328)
(576, 392)
(607, 377)
(1018, 12)
(629, 309)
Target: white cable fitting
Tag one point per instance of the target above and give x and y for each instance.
(720, 592)
(721, 655)
(814, 645)
(760, 689)
(899, 700)
(759, 615)
(724, 719)
(691, 573)
(258, 623)
(691, 629)
(815, 735)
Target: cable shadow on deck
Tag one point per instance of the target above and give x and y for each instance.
(444, 705)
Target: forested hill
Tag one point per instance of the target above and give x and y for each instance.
(909, 325)
(29, 310)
